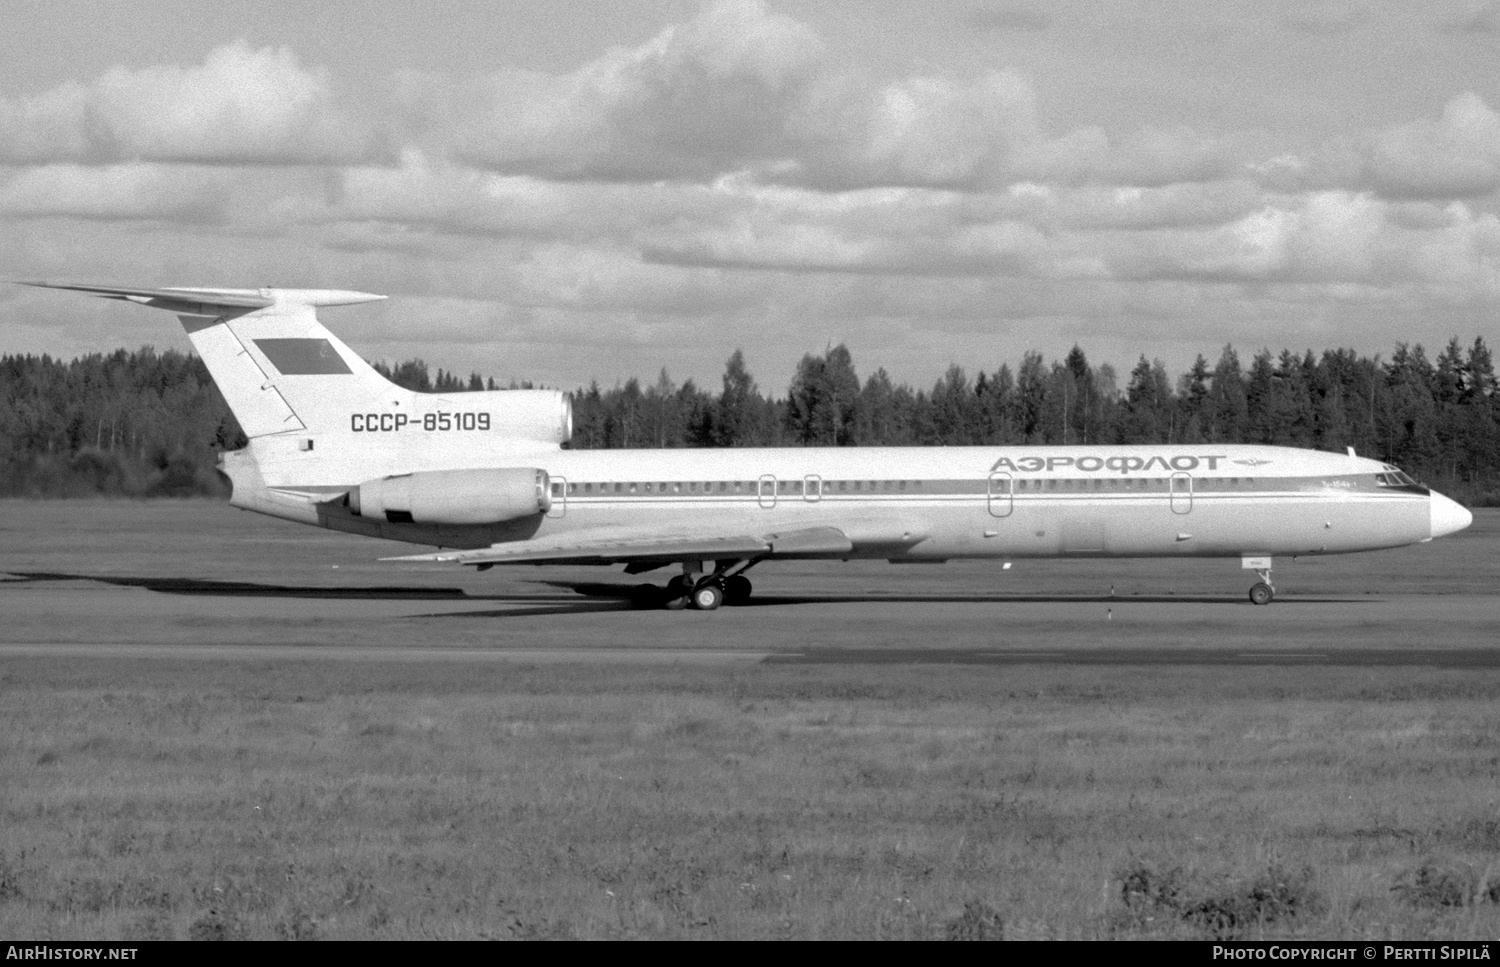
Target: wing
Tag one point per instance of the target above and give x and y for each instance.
(642, 548)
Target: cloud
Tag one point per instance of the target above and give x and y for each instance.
(1007, 17)
(1481, 20)
(122, 192)
(241, 106)
(922, 131)
(1331, 238)
(1455, 157)
(742, 90)
(1148, 157)
(712, 95)
(737, 90)
(1325, 17)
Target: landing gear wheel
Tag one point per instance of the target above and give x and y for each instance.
(1262, 593)
(736, 590)
(707, 596)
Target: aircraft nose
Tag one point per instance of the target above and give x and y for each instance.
(1448, 516)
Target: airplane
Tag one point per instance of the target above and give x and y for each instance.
(486, 478)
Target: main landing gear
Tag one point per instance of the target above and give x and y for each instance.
(691, 588)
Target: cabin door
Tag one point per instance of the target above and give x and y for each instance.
(767, 493)
(1182, 493)
(1000, 499)
(559, 506)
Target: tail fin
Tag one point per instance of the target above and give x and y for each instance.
(252, 339)
(319, 418)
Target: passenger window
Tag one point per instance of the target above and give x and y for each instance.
(902, 485)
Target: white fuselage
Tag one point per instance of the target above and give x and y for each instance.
(918, 503)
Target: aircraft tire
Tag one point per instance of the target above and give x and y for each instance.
(708, 596)
(1261, 593)
(737, 590)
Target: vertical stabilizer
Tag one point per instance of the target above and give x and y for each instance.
(319, 418)
(249, 390)
(280, 371)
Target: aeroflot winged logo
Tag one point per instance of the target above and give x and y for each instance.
(1117, 464)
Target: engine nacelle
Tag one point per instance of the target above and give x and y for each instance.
(455, 496)
(534, 414)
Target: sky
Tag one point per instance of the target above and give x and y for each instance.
(567, 191)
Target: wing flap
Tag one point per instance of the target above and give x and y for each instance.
(604, 548)
(810, 540)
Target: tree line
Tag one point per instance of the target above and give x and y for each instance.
(145, 423)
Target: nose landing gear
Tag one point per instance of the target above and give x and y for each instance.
(1262, 592)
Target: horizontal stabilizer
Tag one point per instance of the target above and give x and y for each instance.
(196, 301)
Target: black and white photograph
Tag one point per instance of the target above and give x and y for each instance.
(750, 470)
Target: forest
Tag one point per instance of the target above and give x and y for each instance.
(149, 424)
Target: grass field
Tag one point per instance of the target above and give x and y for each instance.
(322, 798)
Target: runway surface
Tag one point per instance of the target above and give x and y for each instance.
(48, 614)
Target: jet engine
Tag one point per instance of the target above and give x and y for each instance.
(455, 496)
(543, 415)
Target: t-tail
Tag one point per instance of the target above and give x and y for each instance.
(321, 421)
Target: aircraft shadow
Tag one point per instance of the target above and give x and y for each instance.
(598, 596)
(246, 589)
(636, 594)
